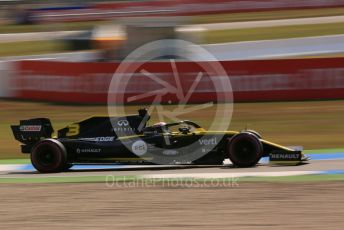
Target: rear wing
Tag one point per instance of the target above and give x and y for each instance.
(33, 130)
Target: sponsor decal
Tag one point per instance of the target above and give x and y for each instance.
(99, 139)
(88, 150)
(284, 155)
(123, 126)
(30, 128)
(104, 139)
(211, 141)
(139, 148)
(206, 150)
(170, 152)
(125, 129)
(122, 123)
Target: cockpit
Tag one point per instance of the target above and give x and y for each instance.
(180, 127)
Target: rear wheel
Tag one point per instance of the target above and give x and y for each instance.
(49, 156)
(245, 150)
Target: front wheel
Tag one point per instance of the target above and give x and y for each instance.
(245, 149)
(49, 156)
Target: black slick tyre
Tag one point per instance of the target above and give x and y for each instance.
(49, 156)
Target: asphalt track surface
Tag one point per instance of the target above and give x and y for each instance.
(238, 205)
(245, 205)
(320, 166)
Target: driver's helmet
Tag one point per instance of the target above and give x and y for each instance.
(160, 127)
(160, 124)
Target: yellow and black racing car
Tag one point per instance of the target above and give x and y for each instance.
(129, 140)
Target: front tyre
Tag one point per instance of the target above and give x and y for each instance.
(49, 156)
(245, 149)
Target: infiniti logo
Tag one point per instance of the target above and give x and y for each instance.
(122, 123)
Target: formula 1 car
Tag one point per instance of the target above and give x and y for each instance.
(129, 140)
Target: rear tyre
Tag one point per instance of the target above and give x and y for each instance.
(49, 156)
(245, 149)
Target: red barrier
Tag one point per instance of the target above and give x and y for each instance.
(258, 80)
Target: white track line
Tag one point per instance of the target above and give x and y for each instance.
(13, 167)
(277, 47)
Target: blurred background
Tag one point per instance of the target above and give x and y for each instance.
(284, 59)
